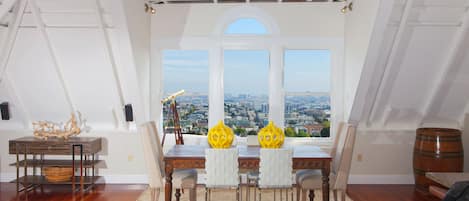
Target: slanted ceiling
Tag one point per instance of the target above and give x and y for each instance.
(420, 75)
(60, 56)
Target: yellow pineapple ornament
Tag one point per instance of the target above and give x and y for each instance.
(220, 136)
(271, 136)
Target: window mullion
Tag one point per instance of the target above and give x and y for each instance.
(216, 91)
(276, 92)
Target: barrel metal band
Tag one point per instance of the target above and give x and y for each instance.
(439, 155)
(441, 139)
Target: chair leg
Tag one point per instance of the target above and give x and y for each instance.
(247, 191)
(274, 194)
(153, 194)
(255, 195)
(178, 194)
(335, 194)
(206, 194)
(343, 195)
(193, 194)
(237, 194)
(298, 191)
(311, 195)
(303, 194)
(291, 194)
(260, 195)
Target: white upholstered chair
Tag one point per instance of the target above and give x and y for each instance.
(340, 128)
(222, 170)
(275, 170)
(312, 180)
(153, 153)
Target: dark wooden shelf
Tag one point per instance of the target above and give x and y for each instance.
(26, 180)
(61, 163)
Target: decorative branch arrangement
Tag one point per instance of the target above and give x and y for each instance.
(46, 129)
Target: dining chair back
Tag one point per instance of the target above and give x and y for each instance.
(275, 168)
(154, 158)
(340, 128)
(312, 179)
(221, 166)
(222, 170)
(342, 169)
(275, 171)
(153, 154)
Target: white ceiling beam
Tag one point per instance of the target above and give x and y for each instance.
(451, 66)
(127, 67)
(17, 100)
(5, 57)
(66, 27)
(462, 118)
(5, 7)
(393, 65)
(58, 68)
(388, 112)
(120, 102)
(11, 37)
(429, 24)
(367, 85)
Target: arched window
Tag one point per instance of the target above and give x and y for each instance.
(246, 26)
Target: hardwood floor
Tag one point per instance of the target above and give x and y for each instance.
(387, 193)
(101, 192)
(130, 192)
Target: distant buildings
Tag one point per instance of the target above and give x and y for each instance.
(304, 113)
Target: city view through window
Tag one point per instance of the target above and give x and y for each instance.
(306, 85)
(246, 86)
(188, 70)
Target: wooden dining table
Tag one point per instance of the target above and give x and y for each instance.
(193, 157)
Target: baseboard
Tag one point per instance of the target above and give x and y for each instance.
(382, 179)
(124, 179)
(7, 177)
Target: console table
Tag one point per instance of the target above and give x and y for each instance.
(83, 152)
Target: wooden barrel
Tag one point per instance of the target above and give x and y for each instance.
(436, 150)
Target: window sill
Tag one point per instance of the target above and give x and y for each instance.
(323, 143)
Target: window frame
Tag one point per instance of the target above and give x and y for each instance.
(276, 45)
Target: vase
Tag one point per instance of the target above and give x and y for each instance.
(220, 136)
(271, 136)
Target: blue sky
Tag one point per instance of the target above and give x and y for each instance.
(246, 71)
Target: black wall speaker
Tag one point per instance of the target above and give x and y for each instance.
(4, 109)
(129, 114)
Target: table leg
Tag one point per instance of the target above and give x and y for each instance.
(168, 188)
(17, 168)
(325, 181)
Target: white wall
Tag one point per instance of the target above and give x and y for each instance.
(292, 19)
(386, 157)
(358, 29)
